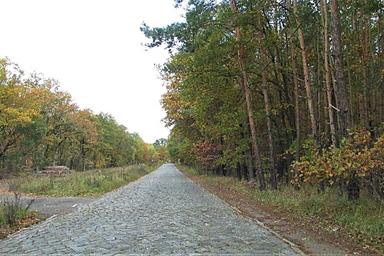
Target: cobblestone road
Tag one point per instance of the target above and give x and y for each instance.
(162, 213)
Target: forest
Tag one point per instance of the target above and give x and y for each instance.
(281, 92)
(41, 126)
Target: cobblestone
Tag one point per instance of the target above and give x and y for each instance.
(162, 213)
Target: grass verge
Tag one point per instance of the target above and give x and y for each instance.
(87, 183)
(13, 216)
(360, 222)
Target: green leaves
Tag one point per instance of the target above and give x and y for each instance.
(41, 125)
(205, 105)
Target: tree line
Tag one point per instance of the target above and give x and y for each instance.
(40, 125)
(278, 91)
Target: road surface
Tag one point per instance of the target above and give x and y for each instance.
(161, 213)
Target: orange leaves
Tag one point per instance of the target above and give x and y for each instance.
(207, 153)
(85, 127)
(355, 157)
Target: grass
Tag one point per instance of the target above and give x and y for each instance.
(13, 216)
(10, 213)
(87, 183)
(363, 219)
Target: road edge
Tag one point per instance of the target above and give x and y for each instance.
(241, 214)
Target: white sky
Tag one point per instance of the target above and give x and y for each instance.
(94, 48)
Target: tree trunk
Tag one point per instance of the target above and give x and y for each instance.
(307, 81)
(238, 171)
(267, 105)
(350, 98)
(272, 167)
(353, 188)
(318, 85)
(244, 172)
(323, 4)
(251, 174)
(296, 96)
(340, 89)
(367, 87)
(247, 95)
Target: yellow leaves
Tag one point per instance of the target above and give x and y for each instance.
(354, 157)
(18, 106)
(41, 123)
(175, 107)
(84, 125)
(3, 71)
(18, 116)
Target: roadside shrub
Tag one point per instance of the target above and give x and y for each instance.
(13, 210)
(357, 162)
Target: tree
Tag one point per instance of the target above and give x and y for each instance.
(235, 99)
(327, 75)
(41, 125)
(247, 96)
(340, 88)
(307, 80)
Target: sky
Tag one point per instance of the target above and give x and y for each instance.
(96, 51)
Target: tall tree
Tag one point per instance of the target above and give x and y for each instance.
(296, 94)
(307, 79)
(324, 10)
(340, 88)
(247, 96)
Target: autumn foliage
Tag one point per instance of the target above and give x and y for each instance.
(41, 125)
(207, 154)
(276, 83)
(358, 159)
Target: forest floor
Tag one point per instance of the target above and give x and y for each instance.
(311, 235)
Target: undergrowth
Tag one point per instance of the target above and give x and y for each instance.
(362, 219)
(87, 183)
(14, 215)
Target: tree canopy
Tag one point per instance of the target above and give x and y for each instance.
(251, 85)
(40, 125)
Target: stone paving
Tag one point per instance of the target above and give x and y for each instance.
(161, 213)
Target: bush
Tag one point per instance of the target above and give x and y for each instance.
(12, 210)
(358, 161)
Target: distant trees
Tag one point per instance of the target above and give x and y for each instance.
(41, 125)
(251, 84)
(161, 152)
